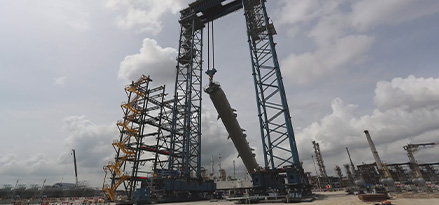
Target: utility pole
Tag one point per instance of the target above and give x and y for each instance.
(211, 167)
(76, 170)
(219, 161)
(234, 170)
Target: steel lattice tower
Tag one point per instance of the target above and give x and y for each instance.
(339, 174)
(278, 141)
(122, 170)
(319, 159)
(349, 173)
(161, 120)
(185, 150)
(143, 140)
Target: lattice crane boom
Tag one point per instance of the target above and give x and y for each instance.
(411, 149)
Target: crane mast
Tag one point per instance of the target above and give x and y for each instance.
(274, 115)
(185, 143)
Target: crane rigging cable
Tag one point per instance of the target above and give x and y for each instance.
(213, 48)
(208, 46)
(210, 72)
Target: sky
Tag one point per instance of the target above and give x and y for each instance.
(347, 66)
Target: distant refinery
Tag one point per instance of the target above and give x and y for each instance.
(395, 177)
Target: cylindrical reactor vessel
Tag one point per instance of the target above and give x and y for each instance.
(374, 151)
(228, 117)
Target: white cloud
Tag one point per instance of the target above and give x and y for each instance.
(362, 14)
(390, 128)
(368, 14)
(410, 93)
(329, 29)
(60, 81)
(38, 165)
(152, 60)
(310, 66)
(73, 14)
(92, 142)
(80, 22)
(339, 30)
(143, 16)
(299, 12)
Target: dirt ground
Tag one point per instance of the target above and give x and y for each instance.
(342, 198)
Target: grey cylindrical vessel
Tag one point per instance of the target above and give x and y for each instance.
(374, 151)
(228, 117)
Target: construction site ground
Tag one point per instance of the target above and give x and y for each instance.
(341, 197)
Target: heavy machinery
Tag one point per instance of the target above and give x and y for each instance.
(281, 158)
(177, 171)
(417, 179)
(386, 177)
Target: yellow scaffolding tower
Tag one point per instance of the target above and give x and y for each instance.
(129, 131)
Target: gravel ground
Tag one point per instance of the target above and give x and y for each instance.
(340, 197)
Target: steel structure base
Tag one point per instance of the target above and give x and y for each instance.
(285, 181)
(180, 190)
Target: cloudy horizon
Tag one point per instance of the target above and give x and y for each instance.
(347, 66)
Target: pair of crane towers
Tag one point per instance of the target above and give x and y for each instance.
(170, 130)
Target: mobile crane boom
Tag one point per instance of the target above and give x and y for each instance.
(412, 148)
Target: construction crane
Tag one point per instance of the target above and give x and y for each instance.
(418, 179)
(280, 153)
(179, 176)
(386, 177)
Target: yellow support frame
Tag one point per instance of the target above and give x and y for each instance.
(128, 130)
